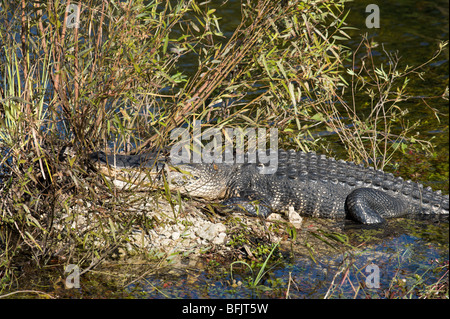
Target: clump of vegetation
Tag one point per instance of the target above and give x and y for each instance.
(91, 75)
(261, 268)
(78, 77)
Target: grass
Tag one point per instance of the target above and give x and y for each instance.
(256, 280)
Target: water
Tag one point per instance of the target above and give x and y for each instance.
(405, 263)
(414, 30)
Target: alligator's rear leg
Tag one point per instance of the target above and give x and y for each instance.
(371, 206)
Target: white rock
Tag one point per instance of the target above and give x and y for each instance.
(212, 231)
(175, 235)
(274, 217)
(166, 243)
(220, 239)
(295, 218)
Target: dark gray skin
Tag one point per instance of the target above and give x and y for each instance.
(312, 184)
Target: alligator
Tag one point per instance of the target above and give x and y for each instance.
(312, 184)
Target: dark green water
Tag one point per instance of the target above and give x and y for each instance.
(413, 29)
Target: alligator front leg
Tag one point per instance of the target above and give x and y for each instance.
(371, 206)
(254, 207)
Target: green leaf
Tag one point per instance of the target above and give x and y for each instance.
(166, 43)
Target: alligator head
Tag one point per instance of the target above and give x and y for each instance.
(207, 181)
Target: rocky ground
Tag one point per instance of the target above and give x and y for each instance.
(160, 227)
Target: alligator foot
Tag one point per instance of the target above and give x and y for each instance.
(252, 207)
(371, 206)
